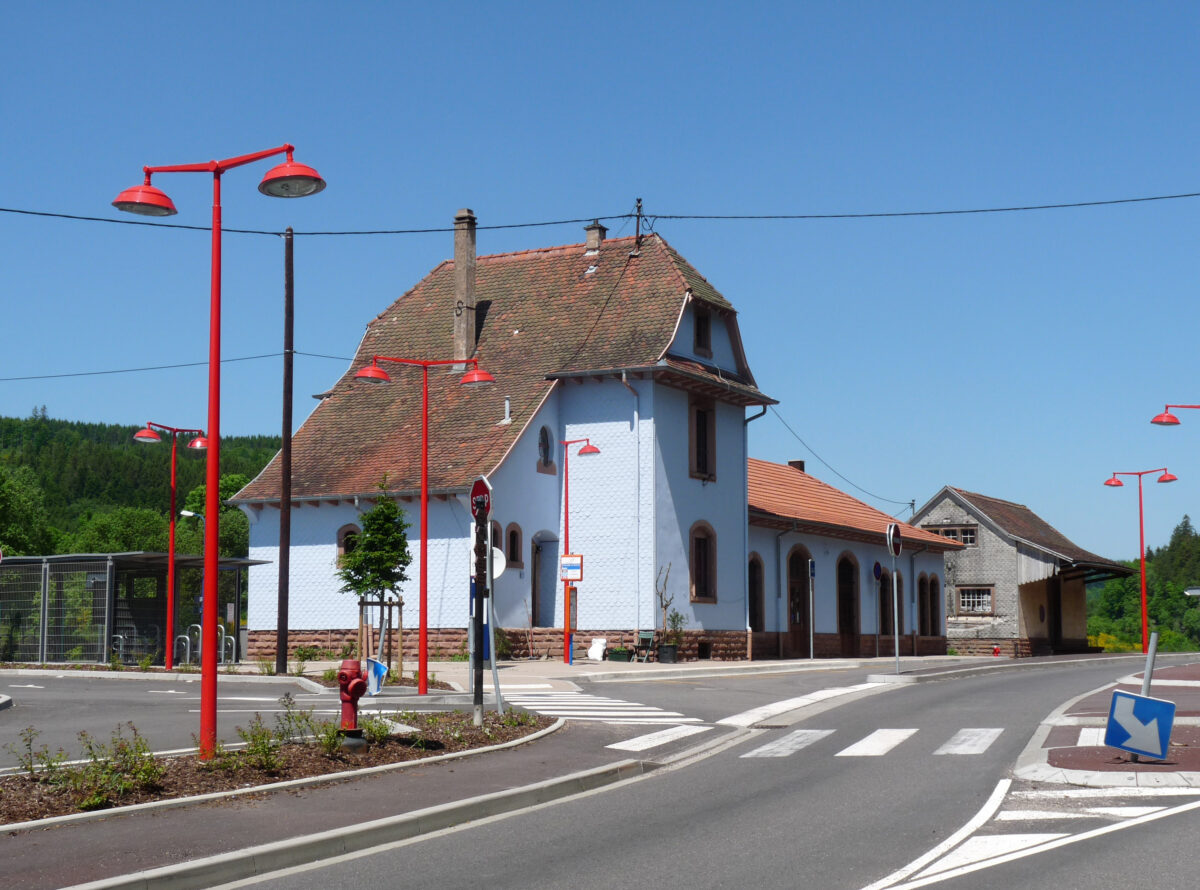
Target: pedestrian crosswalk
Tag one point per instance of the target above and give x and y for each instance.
(582, 706)
(878, 743)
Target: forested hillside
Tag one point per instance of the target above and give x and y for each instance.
(1115, 608)
(70, 487)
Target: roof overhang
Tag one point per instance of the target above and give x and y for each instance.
(712, 383)
(764, 519)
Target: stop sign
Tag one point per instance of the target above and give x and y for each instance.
(481, 499)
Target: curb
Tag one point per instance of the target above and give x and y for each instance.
(268, 858)
(5, 702)
(344, 775)
(162, 676)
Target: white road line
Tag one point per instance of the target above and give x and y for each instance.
(1039, 815)
(1115, 791)
(988, 846)
(526, 686)
(1124, 812)
(654, 739)
(757, 715)
(877, 743)
(1091, 737)
(790, 743)
(970, 741)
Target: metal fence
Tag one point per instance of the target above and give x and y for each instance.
(93, 609)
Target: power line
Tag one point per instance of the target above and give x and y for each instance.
(831, 469)
(224, 361)
(729, 217)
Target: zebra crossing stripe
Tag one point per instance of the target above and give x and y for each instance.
(790, 743)
(1091, 737)
(878, 743)
(970, 741)
(654, 739)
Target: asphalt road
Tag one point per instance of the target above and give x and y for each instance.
(816, 817)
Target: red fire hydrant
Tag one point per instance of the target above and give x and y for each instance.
(352, 685)
(995, 651)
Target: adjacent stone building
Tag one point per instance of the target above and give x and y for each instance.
(1017, 584)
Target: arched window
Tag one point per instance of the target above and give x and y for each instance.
(347, 540)
(512, 546)
(497, 534)
(702, 559)
(935, 607)
(923, 610)
(755, 584)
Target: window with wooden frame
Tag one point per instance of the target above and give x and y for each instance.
(512, 546)
(702, 559)
(702, 330)
(702, 438)
(964, 534)
(347, 540)
(976, 601)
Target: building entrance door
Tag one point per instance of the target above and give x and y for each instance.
(798, 610)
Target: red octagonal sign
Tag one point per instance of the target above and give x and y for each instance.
(481, 499)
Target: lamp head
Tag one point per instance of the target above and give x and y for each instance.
(200, 443)
(1165, 419)
(1168, 477)
(147, 436)
(372, 373)
(145, 200)
(1114, 482)
(589, 448)
(291, 180)
(476, 377)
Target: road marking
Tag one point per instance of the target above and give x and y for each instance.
(790, 743)
(526, 686)
(582, 706)
(1091, 737)
(878, 743)
(25, 686)
(970, 741)
(988, 846)
(654, 739)
(166, 692)
(1114, 791)
(757, 715)
(1036, 815)
(1124, 812)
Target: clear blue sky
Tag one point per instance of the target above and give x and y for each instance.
(1019, 355)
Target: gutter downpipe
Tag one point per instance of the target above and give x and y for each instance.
(637, 509)
(746, 535)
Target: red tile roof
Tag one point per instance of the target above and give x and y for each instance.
(552, 311)
(782, 496)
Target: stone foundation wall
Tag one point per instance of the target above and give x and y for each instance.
(1009, 648)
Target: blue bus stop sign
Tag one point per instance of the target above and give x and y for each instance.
(1140, 724)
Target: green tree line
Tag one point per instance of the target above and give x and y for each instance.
(70, 487)
(1115, 608)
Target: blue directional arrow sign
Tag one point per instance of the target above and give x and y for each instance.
(1140, 724)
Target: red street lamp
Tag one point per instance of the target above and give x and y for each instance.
(588, 448)
(1117, 483)
(287, 180)
(1167, 418)
(150, 436)
(372, 373)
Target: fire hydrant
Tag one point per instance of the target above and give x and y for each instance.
(352, 685)
(996, 651)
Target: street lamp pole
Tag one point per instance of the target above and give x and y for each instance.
(1114, 482)
(286, 180)
(150, 436)
(588, 448)
(372, 373)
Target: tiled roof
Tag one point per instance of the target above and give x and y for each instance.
(781, 495)
(540, 313)
(1021, 522)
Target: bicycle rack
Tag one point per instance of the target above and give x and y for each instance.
(187, 649)
(118, 645)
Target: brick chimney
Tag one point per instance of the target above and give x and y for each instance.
(464, 284)
(595, 236)
(797, 464)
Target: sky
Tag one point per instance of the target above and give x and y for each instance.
(1017, 354)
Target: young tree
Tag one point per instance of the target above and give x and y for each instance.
(24, 526)
(234, 529)
(380, 557)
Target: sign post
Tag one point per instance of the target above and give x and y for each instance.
(481, 511)
(895, 544)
